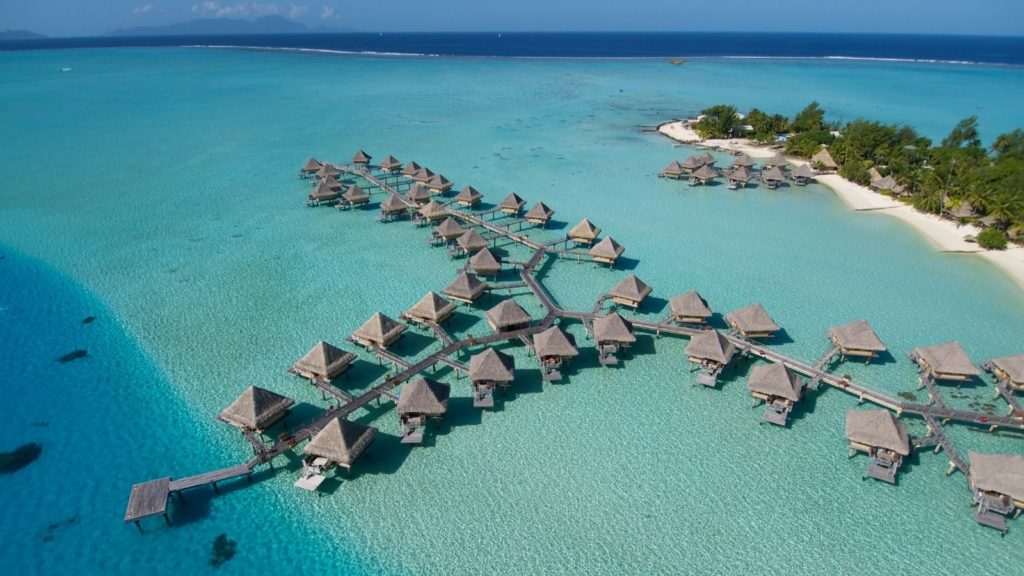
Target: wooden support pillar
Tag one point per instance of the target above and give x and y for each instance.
(167, 519)
(139, 526)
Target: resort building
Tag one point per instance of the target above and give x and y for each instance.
(431, 309)
(355, 196)
(324, 362)
(540, 214)
(823, 160)
(449, 229)
(778, 388)
(777, 161)
(689, 308)
(432, 212)
(856, 339)
(674, 170)
(323, 194)
(630, 292)
(752, 322)
(487, 370)
(711, 352)
(742, 161)
(423, 175)
(393, 207)
(584, 233)
(946, 361)
(692, 163)
(607, 251)
(471, 241)
(1008, 369)
(468, 197)
(326, 170)
(612, 332)
(331, 182)
(310, 168)
(485, 263)
(801, 175)
(361, 158)
(410, 169)
(880, 435)
(507, 316)
(512, 204)
(379, 331)
(421, 399)
(997, 481)
(340, 443)
(256, 409)
(465, 288)
(438, 184)
(418, 194)
(390, 164)
(738, 178)
(772, 178)
(703, 175)
(554, 347)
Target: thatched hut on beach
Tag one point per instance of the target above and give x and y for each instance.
(689, 308)
(553, 347)
(468, 197)
(584, 233)
(946, 361)
(420, 399)
(256, 409)
(341, 441)
(465, 288)
(1009, 369)
(508, 315)
(485, 263)
(856, 339)
(630, 292)
(431, 309)
(361, 158)
(612, 332)
(778, 387)
(607, 251)
(822, 159)
(379, 331)
(323, 362)
(880, 435)
(539, 214)
(884, 183)
(752, 322)
(488, 370)
(390, 164)
(512, 204)
(703, 175)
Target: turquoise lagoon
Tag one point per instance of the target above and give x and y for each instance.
(155, 189)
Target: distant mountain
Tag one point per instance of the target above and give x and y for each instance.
(19, 35)
(218, 26)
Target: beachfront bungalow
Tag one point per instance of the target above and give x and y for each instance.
(331, 182)
(946, 361)
(856, 339)
(449, 230)
(689, 308)
(431, 309)
(959, 209)
(801, 175)
(488, 370)
(742, 161)
(1008, 369)
(553, 347)
(410, 169)
(324, 362)
(468, 197)
(738, 178)
(772, 178)
(823, 160)
(355, 196)
(361, 158)
(471, 241)
(778, 388)
(777, 161)
(322, 194)
(465, 288)
(423, 175)
(584, 233)
(439, 184)
(612, 332)
(607, 251)
(418, 194)
(674, 170)
(711, 352)
(432, 212)
(390, 164)
(631, 292)
(420, 399)
(884, 183)
(512, 204)
(393, 207)
(256, 409)
(703, 175)
(752, 322)
(339, 443)
(485, 263)
(540, 214)
(997, 481)
(507, 316)
(379, 331)
(692, 163)
(880, 435)
(310, 168)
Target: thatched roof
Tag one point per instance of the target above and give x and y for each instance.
(962, 209)
(390, 163)
(948, 358)
(613, 328)
(393, 204)
(690, 305)
(753, 318)
(710, 345)
(607, 248)
(777, 161)
(707, 158)
(361, 157)
(355, 194)
(512, 202)
(743, 161)
(824, 158)
(469, 195)
(674, 167)
(705, 172)
(884, 183)
(327, 170)
(323, 359)
(438, 182)
(431, 307)
(424, 396)
(874, 174)
(450, 228)
(485, 262)
(856, 335)
(554, 342)
(256, 409)
(775, 380)
(741, 174)
(311, 165)
(878, 428)
(331, 182)
(506, 314)
(379, 329)
(432, 210)
(693, 162)
(466, 286)
(492, 366)
(631, 288)
(540, 211)
(423, 175)
(411, 168)
(802, 171)
(773, 174)
(341, 441)
(999, 473)
(1012, 365)
(585, 230)
(418, 194)
(323, 192)
(471, 241)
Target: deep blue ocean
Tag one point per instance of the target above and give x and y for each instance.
(961, 49)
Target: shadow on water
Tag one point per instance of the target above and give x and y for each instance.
(528, 381)
(654, 305)
(556, 225)
(461, 412)
(412, 344)
(625, 263)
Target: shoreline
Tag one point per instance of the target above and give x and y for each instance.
(944, 235)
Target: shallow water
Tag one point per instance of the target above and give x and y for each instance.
(155, 189)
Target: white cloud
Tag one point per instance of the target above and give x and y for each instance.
(214, 9)
(328, 13)
(144, 9)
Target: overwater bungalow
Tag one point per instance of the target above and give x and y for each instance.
(256, 409)
(777, 161)
(438, 184)
(612, 332)
(711, 352)
(326, 170)
(487, 370)
(324, 362)
(823, 160)
(393, 206)
(778, 388)
(553, 347)
(508, 315)
(752, 322)
(361, 158)
(468, 197)
(772, 178)
(390, 164)
(471, 241)
(379, 331)
(331, 182)
(485, 263)
(418, 194)
(739, 177)
(703, 175)
(310, 168)
(355, 196)
(1008, 369)
(707, 158)
(630, 292)
(674, 170)
(512, 204)
(946, 361)
(997, 481)
(410, 169)
(584, 233)
(423, 175)
(420, 399)
(880, 435)
(322, 194)
(856, 339)
(692, 163)
(540, 214)
(801, 175)
(339, 443)
(432, 212)
(689, 308)
(742, 161)
(431, 309)
(607, 251)
(465, 288)
(449, 229)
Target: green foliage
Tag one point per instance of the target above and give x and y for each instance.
(963, 135)
(718, 122)
(992, 239)
(1010, 145)
(807, 143)
(810, 119)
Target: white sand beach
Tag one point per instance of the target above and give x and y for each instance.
(943, 234)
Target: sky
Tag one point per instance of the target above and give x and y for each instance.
(91, 17)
